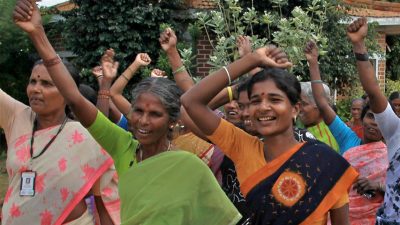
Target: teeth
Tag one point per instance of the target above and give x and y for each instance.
(143, 131)
(247, 121)
(267, 118)
(232, 113)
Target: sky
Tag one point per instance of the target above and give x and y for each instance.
(50, 2)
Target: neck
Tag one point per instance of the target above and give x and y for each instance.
(154, 149)
(275, 146)
(357, 121)
(45, 121)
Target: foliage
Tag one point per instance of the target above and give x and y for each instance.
(393, 57)
(343, 105)
(127, 26)
(15, 54)
(391, 86)
(289, 24)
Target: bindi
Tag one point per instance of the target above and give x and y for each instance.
(262, 93)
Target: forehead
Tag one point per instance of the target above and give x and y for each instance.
(396, 101)
(266, 87)
(357, 103)
(243, 97)
(40, 71)
(149, 101)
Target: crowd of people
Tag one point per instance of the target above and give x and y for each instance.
(170, 156)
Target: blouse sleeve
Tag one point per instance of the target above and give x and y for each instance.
(345, 137)
(9, 107)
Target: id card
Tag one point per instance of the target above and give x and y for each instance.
(27, 183)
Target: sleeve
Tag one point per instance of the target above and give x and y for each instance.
(232, 140)
(345, 137)
(341, 201)
(123, 122)
(115, 140)
(9, 107)
(389, 124)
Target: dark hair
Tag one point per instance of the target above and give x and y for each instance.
(89, 93)
(166, 90)
(394, 95)
(242, 86)
(364, 111)
(70, 67)
(285, 81)
(358, 99)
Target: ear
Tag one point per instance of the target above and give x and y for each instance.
(295, 110)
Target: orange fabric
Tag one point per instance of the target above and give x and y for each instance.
(358, 129)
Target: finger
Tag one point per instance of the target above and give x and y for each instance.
(26, 6)
(17, 17)
(24, 14)
(115, 65)
(274, 54)
(279, 56)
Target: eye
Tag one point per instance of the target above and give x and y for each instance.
(241, 106)
(276, 100)
(32, 81)
(156, 114)
(137, 110)
(255, 101)
(47, 83)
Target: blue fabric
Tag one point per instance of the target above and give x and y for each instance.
(123, 122)
(345, 137)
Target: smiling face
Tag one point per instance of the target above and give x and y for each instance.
(371, 130)
(150, 121)
(44, 97)
(270, 109)
(232, 112)
(356, 109)
(309, 113)
(244, 104)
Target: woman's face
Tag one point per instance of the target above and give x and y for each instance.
(270, 109)
(44, 97)
(371, 130)
(244, 104)
(396, 105)
(149, 120)
(356, 109)
(232, 112)
(309, 112)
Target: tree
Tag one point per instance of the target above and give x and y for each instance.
(15, 54)
(127, 26)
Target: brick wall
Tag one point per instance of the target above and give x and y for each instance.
(204, 50)
(382, 62)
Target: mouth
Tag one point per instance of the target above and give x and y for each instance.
(35, 100)
(266, 118)
(143, 131)
(247, 122)
(232, 113)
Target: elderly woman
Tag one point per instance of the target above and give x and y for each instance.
(312, 118)
(52, 161)
(157, 184)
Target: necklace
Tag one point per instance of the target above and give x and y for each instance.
(141, 153)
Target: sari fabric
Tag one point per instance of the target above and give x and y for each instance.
(191, 143)
(64, 173)
(371, 161)
(155, 197)
(302, 189)
(322, 133)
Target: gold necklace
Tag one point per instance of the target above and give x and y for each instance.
(141, 151)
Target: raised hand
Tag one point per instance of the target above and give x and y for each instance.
(158, 73)
(109, 66)
(311, 51)
(97, 72)
(26, 15)
(168, 40)
(365, 186)
(142, 59)
(272, 56)
(357, 30)
(243, 44)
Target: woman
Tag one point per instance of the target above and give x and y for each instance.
(386, 119)
(368, 155)
(157, 185)
(394, 99)
(275, 174)
(355, 123)
(49, 173)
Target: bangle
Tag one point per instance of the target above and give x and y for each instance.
(51, 62)
(361, 56)
(228, 74)
(104, 92)
(99, 76)
(101, 96)
(126, 78)
(131, 70)
(317, 82)
(180, 69)
(230, 94)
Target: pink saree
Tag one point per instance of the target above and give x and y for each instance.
(371, 161)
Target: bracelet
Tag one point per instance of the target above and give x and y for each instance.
(361, 56)
(99, 76)
(180, 69)
(126, 78)
(101, 96)
(104, 92)
(51, 62)
(317, 82)
(131, 70)
(230, 94)
(228, 74)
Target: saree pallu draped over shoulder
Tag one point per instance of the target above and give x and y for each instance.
(301, 188)
(65, 173)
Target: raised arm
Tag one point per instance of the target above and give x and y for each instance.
(311, 52)
(168, 42)
(356, 32)
(243, 44)
(196, 99)
(27, 16)
(142, 59)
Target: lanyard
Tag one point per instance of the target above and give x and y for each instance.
(48, 144)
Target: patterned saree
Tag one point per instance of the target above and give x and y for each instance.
(301, 189)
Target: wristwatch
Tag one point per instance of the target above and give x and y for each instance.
(361, 56)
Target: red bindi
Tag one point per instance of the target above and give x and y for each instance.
(262, 94)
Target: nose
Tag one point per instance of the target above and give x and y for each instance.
(265, 105)
(144, 120)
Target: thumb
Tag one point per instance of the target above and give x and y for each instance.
(115, 65)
